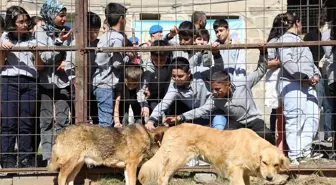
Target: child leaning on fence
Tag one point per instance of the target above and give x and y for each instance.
(156, 78)
(19, 91)
(298, 76)
(126, 96)
(109, 65)
(56, 89)
(93, 26)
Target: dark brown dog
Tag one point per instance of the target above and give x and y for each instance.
(95, 145)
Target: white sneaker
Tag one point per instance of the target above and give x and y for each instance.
(203, 163)
(193, 162)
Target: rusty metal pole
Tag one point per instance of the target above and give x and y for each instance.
(81, 61)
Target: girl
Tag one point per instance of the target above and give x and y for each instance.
(272, 98)
(56, 88)
(18, 90)
(298, 76)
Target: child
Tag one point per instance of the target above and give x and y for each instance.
(156, 78)
(36, 23)
(236, 100)
(126, 96)
(234, 59)
(189, 87)
(298, 77)
(186, 37)
(202, 37)
(109, 65)
(93, 26)
(19, 91)
(56, 93)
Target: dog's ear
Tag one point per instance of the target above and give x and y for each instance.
(284, 163)
(158, 133)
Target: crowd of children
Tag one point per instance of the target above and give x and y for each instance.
(210, 88)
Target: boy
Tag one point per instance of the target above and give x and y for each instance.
(126, 96)
(186, 37)
(109, 65)
(234, 58)
(202, 37)
(156, 78)
(236, 100)
(94, 24)
(189, 87)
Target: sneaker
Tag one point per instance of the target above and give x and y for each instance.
(27, 163)
(193, 162)
(294, 163)
(202, 163)
(313, 156)
(8, 163)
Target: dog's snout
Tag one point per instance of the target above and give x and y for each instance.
(269, 178)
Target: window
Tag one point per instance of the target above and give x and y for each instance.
(149, 16)
(309, 11)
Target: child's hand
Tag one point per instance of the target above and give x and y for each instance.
(215, 50)
(173, 32)
(7, 45)
(314, 80)
(172, 120)
(273, 64)
(60, 66)
(147, 93)
(145, 111)
(118, 125)
(150, 125)
(32, 46)
(65, 35)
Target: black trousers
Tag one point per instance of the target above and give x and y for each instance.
(257, 125)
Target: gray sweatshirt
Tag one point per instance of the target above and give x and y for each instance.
(70, 61)
(19, 62)
(240, 106)
(50, 77)
(196, 95)
(234, 62)
(109, 65)
(297, 63)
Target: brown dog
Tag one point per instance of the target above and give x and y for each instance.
(237, 154)
(95, 145)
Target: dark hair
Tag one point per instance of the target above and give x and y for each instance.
(2, 24)
(133, 73)
(220, 23)
(158, 52)
(93, 20)
(197, 16)
(220, 76)
(186, 29)
(34, 20)
(202, 33)
(282, 23)
(12, 14)
(113, 12)
(181, 63)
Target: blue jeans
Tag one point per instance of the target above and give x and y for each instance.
(104, 98)
(300, 108)
(325, 102)
(218, 122)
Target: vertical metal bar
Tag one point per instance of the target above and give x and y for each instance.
(81, 61)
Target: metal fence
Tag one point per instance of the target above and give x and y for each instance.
(256, 22)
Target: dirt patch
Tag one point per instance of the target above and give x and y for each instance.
(299, 180)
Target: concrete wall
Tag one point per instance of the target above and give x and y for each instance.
(258, 15)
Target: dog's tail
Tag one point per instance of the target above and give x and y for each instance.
(53, 165)
(149, 171)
